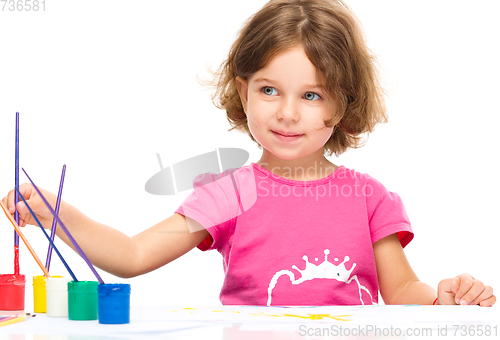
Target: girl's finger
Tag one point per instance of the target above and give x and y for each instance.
(485, 294)
(488, 302)
(466, 283)
(25, 190)
(10, 202)
(473, 293)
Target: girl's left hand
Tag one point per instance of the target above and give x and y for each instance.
(465, 290)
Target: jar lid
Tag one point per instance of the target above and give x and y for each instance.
(16, 279)
(114, 288)
(39, 279)
(82, 286)
(57, 283)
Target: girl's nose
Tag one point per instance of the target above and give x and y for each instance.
(288, 110)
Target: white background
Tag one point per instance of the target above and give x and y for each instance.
(102, 86)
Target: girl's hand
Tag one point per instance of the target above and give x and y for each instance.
(465, 290)
(35, 202)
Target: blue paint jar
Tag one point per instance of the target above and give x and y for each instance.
(114, 303)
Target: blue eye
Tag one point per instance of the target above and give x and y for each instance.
(311, 96)
(270, 91)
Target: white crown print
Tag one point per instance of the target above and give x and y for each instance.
(324, 270)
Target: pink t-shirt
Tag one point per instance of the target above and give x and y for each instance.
(289, 242)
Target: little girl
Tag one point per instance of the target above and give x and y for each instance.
(292, 228)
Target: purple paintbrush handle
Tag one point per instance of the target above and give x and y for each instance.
(16, 195)
(54, 222)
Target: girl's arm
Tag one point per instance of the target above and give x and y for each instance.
(108, 248)
(124, 256)
(398, 283)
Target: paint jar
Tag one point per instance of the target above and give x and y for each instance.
(82, 300)
(39, 294)
(12, 291)
(57, 296)
(114, 303)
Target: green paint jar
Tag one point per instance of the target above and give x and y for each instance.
(82, 300)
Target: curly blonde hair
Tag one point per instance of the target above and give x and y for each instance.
(333, 41)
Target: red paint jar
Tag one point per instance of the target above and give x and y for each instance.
(12, 291)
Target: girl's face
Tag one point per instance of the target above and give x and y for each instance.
(285, 98)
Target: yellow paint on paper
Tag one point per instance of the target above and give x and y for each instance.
(308, 316)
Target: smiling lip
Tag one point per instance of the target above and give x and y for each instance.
(287, 134)
(289, 138)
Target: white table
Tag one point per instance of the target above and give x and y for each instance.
(255, 322)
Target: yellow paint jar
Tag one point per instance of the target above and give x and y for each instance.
(40, 293)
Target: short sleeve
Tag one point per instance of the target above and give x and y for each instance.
(386, 213)
(206, 207)
(216, 202)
